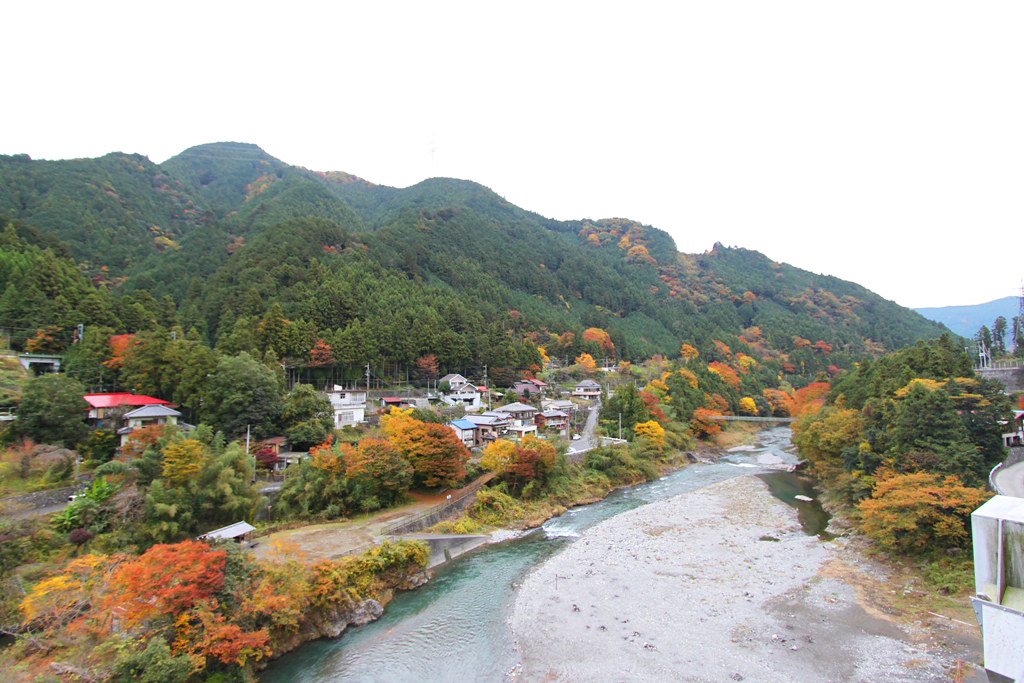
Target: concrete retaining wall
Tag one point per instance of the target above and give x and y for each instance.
(40, 499)
(1012, 378)
(445, 547)
(456, 508)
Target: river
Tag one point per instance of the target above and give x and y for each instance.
(455, 627)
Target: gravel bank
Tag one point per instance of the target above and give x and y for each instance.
(718, 584)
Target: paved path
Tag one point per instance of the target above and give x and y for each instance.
(588, 439)
(1010, 480)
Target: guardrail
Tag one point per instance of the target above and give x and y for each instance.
(992, 479)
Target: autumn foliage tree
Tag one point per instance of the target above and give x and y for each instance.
(652, 431)
(436, 454)
(586, 363)
(918, 512)
(703, 424)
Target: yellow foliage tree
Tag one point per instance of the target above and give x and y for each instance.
(688, 352)
(587, 362)
(747, 406)
(745, 362)
(182, 460)
(691, 379)
(652, 431)
(929, 384)
(498, 455)
(543, 355)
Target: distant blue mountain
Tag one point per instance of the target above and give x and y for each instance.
(967, 320)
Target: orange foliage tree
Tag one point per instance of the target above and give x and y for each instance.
(165, 580)
(780, 401)
(727, 374)
(688, 352)
(119, 345)
(320, 354)
(140, 440)
(602, 338)
(810, 399)
(916, 512)
(433, 450)
(702, 424)
(533, 461)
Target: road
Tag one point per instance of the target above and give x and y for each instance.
(1010, 480)
(588, 438)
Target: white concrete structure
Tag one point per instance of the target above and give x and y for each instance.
(349, 406)
(998, 531)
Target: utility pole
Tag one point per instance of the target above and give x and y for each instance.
(487, 389)
(247, 452)
(367, 381)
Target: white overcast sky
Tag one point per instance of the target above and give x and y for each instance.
(878, 141)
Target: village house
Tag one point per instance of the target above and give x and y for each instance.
(552, 419)
(521, 416)
(455, 382)
(389, 402)
(588, 389)
(349, 406)
(105, 410)
(466, 432)
(490, 425)
(150, 415)
(565, 405)
(467, 395)
(529, 387)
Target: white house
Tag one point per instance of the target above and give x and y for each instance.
(349, 406)
(466, 395)
(521, 416)
(565, 405)
(455, 382)
(588, 388)
(147, 416)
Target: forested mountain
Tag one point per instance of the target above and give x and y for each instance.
(258, 255)
(967, 320)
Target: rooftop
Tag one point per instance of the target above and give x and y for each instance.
(121, 399)
(153, 411)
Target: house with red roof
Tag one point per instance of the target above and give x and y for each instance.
(112, 406)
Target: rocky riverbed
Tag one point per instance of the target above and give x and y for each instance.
(717, 584)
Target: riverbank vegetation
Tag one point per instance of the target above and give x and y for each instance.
(536, 482)
(195, 611)
(904, 445)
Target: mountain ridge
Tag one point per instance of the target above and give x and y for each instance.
(227, 231)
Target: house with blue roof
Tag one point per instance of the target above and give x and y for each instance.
(467, 432)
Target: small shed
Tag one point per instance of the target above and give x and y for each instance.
(238, 532)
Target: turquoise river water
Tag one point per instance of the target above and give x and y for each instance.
(455, 628)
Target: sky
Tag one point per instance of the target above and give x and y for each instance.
(878, 141)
